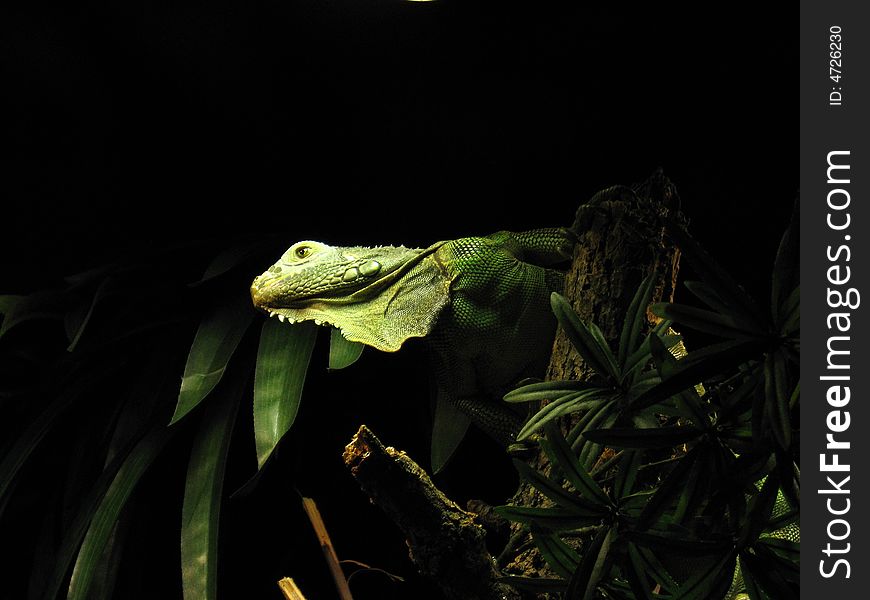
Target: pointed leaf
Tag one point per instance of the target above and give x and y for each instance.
(581, 338)
(546, 390)
(742, 305)
(633, 437)
(448, 430)
(39, 305)
(699, 365)
(560, 453)
(557, 493)
(706, 294)
(229, 258)
(584, 400)
(553, 518)
(585, 578)
(103, 522)
(203, 492)
(759, 511)
(76, 320)
(706, 321)
(635, 320)
(669, 490)
(282, 363)
(562, 558)
(217, 337)
(342, 352)
(777, 398)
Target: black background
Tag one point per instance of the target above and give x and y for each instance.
(378, 122)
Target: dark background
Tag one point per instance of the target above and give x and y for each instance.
(376, 122)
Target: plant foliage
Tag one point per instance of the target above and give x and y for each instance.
(677, 476)
(125, 374)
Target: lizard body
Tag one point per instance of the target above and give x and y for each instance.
(481, 304)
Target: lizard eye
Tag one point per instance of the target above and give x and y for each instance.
(303, 251)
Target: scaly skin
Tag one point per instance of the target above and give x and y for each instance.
(481, 303)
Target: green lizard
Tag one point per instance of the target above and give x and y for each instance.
(482, 304)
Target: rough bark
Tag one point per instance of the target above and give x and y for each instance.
(445, 541)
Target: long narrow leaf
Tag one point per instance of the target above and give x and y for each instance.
(584, 400)
(560, 453)
(669, 490)
(633, 437)
(705, 321)
(102, 524)
(545, 390)
(282, 363)
(698, 366)
(778, 396)
(635, 320)
(562, 558)
(556, 492)
(555, 519)
(714, 275)
(585, 578)
(581, 338)
(342, 352)
(217, 337)
(203, 492)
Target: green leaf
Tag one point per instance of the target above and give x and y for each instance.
(129, 430)
(699, 365)
(103, 522)
(708, 296)
(595, 416)
(629, 465)
(17, 455)
(229, 258)
(789, 314)
(669, 490)
(740, 303)
(587, 399)
(592, 568)
(706, 321)
(645, 560)
(546, 390)
(633, 437)
(560, 453)
(217, 337)
(563, 559)
(282, 363)
(635, 320)
(553, 518)
(76, 320)
(342, 352)
(704, 584)
(555, 492)
(777, 398)
(39, 305)
(759, 511)
(203, 491)
(449, 427)
(581, 337)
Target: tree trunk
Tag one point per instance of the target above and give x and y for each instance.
(621, 241)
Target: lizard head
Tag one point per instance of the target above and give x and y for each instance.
(311, 270)
(356, 289)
